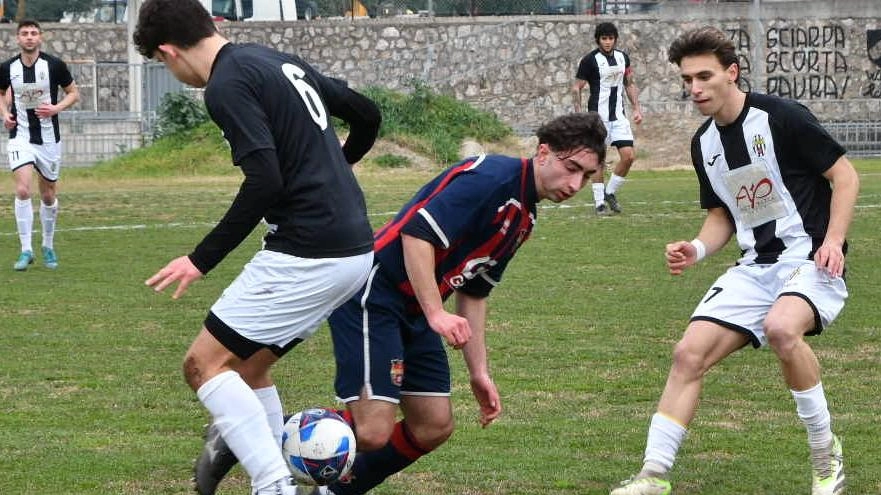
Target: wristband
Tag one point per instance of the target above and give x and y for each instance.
(700, 248)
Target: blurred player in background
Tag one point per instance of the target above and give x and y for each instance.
(34, 77)
(608, 73)
(275, 111)
(455, 237)
(771, 176)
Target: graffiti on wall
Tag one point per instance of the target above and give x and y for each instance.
(872, 89)
(806, 62)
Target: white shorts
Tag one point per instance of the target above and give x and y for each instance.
(619, 133)
(45, 157)
(280, 300)
(741, 298)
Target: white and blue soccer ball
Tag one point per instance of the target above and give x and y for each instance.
(319, 446)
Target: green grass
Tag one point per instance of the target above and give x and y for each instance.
(580, 333)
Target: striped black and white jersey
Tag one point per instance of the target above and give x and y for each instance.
(605, 74)
(31, 86)
(766, 170)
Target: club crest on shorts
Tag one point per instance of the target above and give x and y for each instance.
(396, 370)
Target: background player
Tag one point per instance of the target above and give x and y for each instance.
(773, 177)
(34, 137)
(607, 71)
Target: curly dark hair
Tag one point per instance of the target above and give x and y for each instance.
(605, 29)
(573, 132)
(180, 22)
(29, 23)
(701, 41)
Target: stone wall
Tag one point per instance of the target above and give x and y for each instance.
(826, 53)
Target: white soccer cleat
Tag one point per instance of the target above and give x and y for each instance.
(828, 470)
(649, 485)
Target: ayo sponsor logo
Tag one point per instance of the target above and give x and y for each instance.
(755, 192)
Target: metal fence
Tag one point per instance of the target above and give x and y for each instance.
(391, 8)
(861, 139)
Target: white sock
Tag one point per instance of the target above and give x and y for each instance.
(242, 422)
(814, 413)
(48, 216)
(599, 193)
(24, 219)
(614, 183)
(665, 437)
(274, 411)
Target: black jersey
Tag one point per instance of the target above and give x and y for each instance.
(275, 112)
(605, 74)
(31, 86)
(765, 169)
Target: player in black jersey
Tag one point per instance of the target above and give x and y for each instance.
(275, 111)
(773, 178)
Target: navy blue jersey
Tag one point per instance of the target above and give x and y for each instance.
(476, 214)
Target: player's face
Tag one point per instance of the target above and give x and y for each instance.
(29, 39)
(709, 84)
(607, 43)
(560, 175)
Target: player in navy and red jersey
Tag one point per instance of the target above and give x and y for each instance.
(275, 111)
(609, 75)
(774, 179)
(454, 238)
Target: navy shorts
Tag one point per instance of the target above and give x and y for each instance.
(383, 350)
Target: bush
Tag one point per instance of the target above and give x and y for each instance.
(177, 113)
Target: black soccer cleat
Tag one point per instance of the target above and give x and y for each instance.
(213, 463)
(613, 203)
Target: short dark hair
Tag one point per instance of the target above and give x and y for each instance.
(179, 22)
(29, 22)
(573, 132)
(605, 29)
(702, 41)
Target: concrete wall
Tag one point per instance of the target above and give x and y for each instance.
(826, 53)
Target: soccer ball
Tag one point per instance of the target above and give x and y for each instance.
(319, 446)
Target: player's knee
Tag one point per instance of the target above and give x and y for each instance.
(22, 192)
(782, 338)
(373, 435)
(687, 361)
(432, 435)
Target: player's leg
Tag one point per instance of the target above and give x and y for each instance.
(810, 300)
(599, 190)
(48, 220)
(621, 137)
(22, 164)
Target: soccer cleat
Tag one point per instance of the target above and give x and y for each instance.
(613, 203)
(50, 261)
(650, 485)
(213, 463)
(24, 259)
(828, 470)
(602, 210)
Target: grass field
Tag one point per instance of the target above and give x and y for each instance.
(580, 333)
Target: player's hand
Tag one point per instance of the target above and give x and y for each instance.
(830, 258)
(46, 110)
(637, 117)
(487, 396)
(679, 255)
(9, 122)
(453, 328)
(179, 269)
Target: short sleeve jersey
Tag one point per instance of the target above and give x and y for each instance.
(32, 86)
(263, 99)
(476, 214)
(605, 74)
(765, 169)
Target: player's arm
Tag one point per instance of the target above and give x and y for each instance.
(419, 261)
(633, 95)
(714, 234)
(71, 96)
(260, 189)
(360, 112)
(5, 91)
(577, 87)
(474, 352)
(845, 188)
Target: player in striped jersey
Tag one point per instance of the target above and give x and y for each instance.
(608, 73)
(771, 176)
(34, 139)
(455, 237)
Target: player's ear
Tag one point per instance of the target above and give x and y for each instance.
(168, 51)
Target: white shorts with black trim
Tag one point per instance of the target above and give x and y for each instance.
(742, 297)
(45, 157)
(619, 133)
(279, 299)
